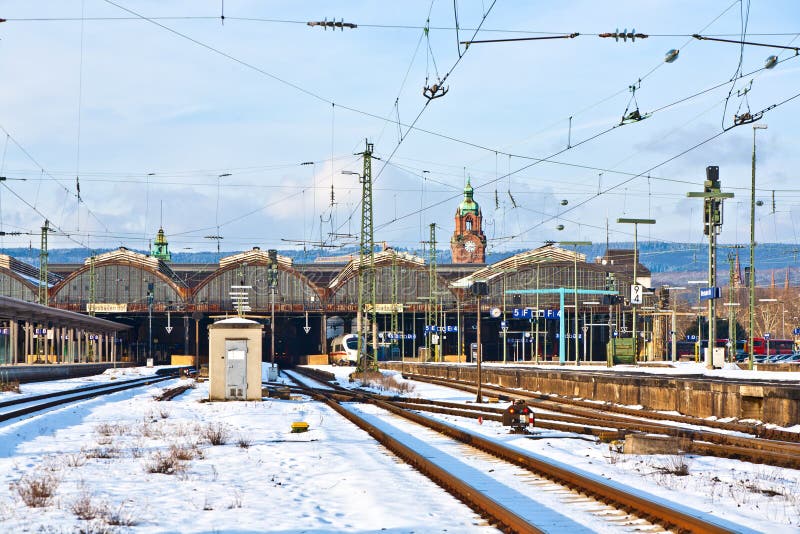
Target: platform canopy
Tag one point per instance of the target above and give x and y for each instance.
(20, 310)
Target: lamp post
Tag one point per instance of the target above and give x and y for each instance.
(478, 355)
(150, 297)
(673, 325)
(699, 331)
(731, 330)
(273, 281)
(479, 289)
(588, 328)
(575, 245)
(635, 223)
(752, 278)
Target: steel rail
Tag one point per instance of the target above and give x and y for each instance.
(42, 396)
(756, 430)
(754, 450)
(487, 507)
(664, 515)
(95, 393)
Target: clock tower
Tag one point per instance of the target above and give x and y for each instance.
(468, 244)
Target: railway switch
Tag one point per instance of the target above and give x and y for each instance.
(518, 416)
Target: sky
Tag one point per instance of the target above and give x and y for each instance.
(119, 117)
(335, 478)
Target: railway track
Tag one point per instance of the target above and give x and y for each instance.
(27, 405)
(558, 413)
(582, 493)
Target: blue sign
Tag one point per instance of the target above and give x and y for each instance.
(708, 293)
(616, 334)
(441, 329)
(572, 336)
(767, 335)
(400, 336)
(504, 325)
(552, 314)
(4, 331)
(691, 338)
(522, 313)
(796, 331)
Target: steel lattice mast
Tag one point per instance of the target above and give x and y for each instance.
(366, 263)
(43, 288)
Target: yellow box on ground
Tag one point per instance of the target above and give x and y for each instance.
(182, 359)
(299, 426)
(314, 359)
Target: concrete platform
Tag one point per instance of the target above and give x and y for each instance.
(44, 372)
(776, 402)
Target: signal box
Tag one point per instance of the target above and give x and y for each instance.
(518, 416)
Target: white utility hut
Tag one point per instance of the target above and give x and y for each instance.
(234, 363)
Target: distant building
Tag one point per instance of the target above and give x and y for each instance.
(161, 247)
(468, 244)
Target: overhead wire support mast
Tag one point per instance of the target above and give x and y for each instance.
(565, 36)
(749, 43)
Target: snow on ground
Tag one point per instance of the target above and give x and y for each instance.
(52, 386)
(97, 456)
(760, 497)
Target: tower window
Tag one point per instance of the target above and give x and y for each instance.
(469, 224)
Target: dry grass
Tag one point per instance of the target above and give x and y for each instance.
(676, 464)
(185, 452)
(10, 386)
(75, 460)
(243, 442)
(103, 451)
(36, 490)
(165, 463)
(384, 382)
(120, 517)
(85, 508)
(111, 429)
(215, 433)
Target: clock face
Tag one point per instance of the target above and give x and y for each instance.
(469, 246)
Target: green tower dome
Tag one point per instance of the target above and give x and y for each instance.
(468, 205)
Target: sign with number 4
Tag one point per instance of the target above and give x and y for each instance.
(636, 293)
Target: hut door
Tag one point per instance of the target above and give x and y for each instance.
(236, 369)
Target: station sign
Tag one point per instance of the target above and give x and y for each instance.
(4, 331)
(637, 290)
(552, 314)
(390, 335)
(691, 337)
(106, 307)
(708, 293)
(504, 325)
(522, 313)
(767, 335)
(569, 336)
(796, 331)
(442, 329)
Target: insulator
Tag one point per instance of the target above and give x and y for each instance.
(671, 55)
(564, 202)
(560, 227)
(771, 62)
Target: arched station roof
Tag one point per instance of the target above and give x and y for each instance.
(294, 290)
(121, 278)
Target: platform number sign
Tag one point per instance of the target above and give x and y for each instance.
(636, 293)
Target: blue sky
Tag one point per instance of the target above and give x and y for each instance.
(146, 117)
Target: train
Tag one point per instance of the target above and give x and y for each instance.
(343, 350)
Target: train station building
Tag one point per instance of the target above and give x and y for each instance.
(421, 305)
